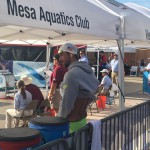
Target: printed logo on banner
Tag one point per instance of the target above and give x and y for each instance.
(61, 18)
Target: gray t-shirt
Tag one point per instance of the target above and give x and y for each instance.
(19, 102)
(106, 81)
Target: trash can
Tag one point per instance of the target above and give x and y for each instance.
(19, 138)
(51, 128)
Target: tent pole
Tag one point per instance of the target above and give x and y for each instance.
(97, 65)
(121, 66)
(121, 74)
(47, 68)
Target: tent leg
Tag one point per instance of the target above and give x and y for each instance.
(121, 73)
(47, 68)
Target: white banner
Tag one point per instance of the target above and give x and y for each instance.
(35, 70)
(69, 16)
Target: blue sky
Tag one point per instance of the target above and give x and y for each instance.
(145, 3)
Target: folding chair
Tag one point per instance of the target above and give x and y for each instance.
(42, 109)
(82, 138)
(94, 101)
(91, 105)
(133, 70)
(96, 98)
(59, 144)
(111, 101)
(112, 95)
(31, 106)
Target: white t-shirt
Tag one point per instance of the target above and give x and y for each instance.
(114, 65)
(106, 81)
(148, 66)
(84, 58)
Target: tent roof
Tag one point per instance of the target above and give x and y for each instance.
(136, 25)
(102, 16)
(143, 10)
(57, 21)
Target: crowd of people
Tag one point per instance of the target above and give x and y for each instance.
(72, 85)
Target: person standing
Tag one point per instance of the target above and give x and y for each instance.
(55, 80)
(21, 100)
(33, 89)
(111, 57)
(103, 60)
(77, 89)
(83, 57)
(147, 68)
(114, 68)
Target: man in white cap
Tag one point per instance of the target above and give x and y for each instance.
(105, 83)
(77, 89)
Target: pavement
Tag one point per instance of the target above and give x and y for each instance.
(133, 96)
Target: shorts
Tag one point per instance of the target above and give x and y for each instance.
(74, 126)
(56, 99)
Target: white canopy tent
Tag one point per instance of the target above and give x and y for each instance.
(89, 21)
(136, 25)
(143, 10)
(146, 12)
(57, 21)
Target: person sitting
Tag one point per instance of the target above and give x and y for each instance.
(21, 100)
(33, 89)
(105, 83)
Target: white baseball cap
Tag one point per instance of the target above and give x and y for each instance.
(105, 70)
(68, 47)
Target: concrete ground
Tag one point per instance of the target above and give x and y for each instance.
(133, 96)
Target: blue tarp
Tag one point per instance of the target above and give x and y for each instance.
(146, 82)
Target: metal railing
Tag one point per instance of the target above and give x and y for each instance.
(125, 130)
(128, 129)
